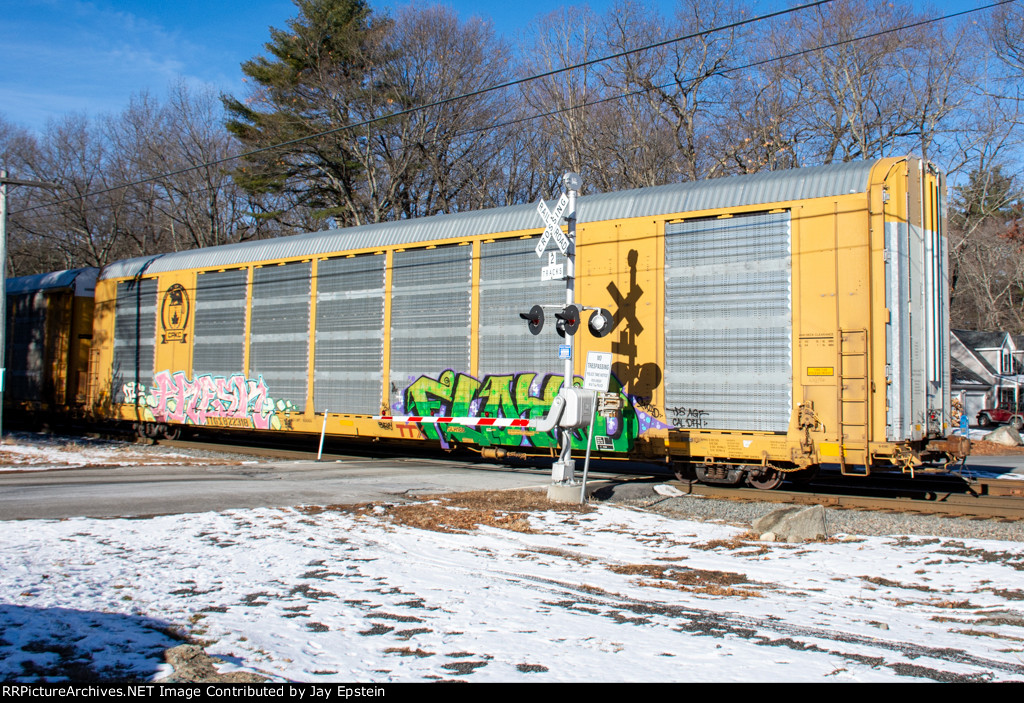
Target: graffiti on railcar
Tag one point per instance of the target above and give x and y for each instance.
(691, 418)
(222, 401)
(522, 395)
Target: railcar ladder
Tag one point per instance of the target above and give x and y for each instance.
(853, 398)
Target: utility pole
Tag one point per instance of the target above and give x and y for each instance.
(4, 182)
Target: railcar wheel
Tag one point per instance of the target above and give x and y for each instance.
(766, 480)
(171, 432)
(146, 430)
(684, 471)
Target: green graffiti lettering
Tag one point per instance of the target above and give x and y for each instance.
(521, 395)
(496, 392)
(427, 396)
(465, 393)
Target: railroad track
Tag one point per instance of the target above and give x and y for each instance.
(948, 496)
(989, 500)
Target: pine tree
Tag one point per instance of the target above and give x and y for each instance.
(315, 79)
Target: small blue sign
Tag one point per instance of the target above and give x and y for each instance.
(564, 351)
(963, 424)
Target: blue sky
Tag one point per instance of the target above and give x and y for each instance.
(91, 56)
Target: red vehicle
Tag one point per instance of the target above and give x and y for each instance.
(1004, 414)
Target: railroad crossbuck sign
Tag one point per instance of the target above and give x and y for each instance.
(552, 229)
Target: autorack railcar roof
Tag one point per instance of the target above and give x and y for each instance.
(732, 191)
(53, 281)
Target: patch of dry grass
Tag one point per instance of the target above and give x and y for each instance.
(736, 542)
(714, 583)
(987, 633)
(408, 652)
(565, 554)
(462, 512)
(952, 604)
(887, 583)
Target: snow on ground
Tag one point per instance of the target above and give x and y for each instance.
(420, 592)
(25, 452)
(611, 595)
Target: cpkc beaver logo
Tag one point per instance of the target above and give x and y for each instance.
(174, 313)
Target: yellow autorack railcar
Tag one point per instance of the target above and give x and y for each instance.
(763, 324)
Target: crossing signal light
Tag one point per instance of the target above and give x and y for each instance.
(570, 319)
(534, 319)
(600, 323)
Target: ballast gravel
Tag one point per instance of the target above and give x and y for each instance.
(838, 522)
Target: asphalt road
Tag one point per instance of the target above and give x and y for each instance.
(1011, 463)
(137, 491)
(167, 490)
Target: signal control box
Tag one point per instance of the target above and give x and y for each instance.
(579, 407)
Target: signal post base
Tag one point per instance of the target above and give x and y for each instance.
(570, 492)
(564, 492)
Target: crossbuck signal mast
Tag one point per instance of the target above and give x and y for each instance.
(573, 408)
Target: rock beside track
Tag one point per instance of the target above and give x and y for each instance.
(1006, 436)
(792, 524)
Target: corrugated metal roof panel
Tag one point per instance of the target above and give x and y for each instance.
(734, 191)
(52, 281)
(128, 268)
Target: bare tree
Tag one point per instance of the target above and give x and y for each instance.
(27, 253)
(633, 147)
(565, 133)
(430, 160)
(82, 229)
(862, 92)
(989, 292)
(182, 147)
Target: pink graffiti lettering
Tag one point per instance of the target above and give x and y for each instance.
(174, 398)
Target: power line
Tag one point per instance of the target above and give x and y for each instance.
(519, 120)
(445, 101)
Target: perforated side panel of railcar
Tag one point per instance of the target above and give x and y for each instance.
(430, 315)
(134, 336)
(279, 340)
(349, 355)
(510, 284)
(728, 323)
(219, 328)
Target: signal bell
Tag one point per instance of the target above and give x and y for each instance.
(600, 323)
(570, 317)
(534, 319)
